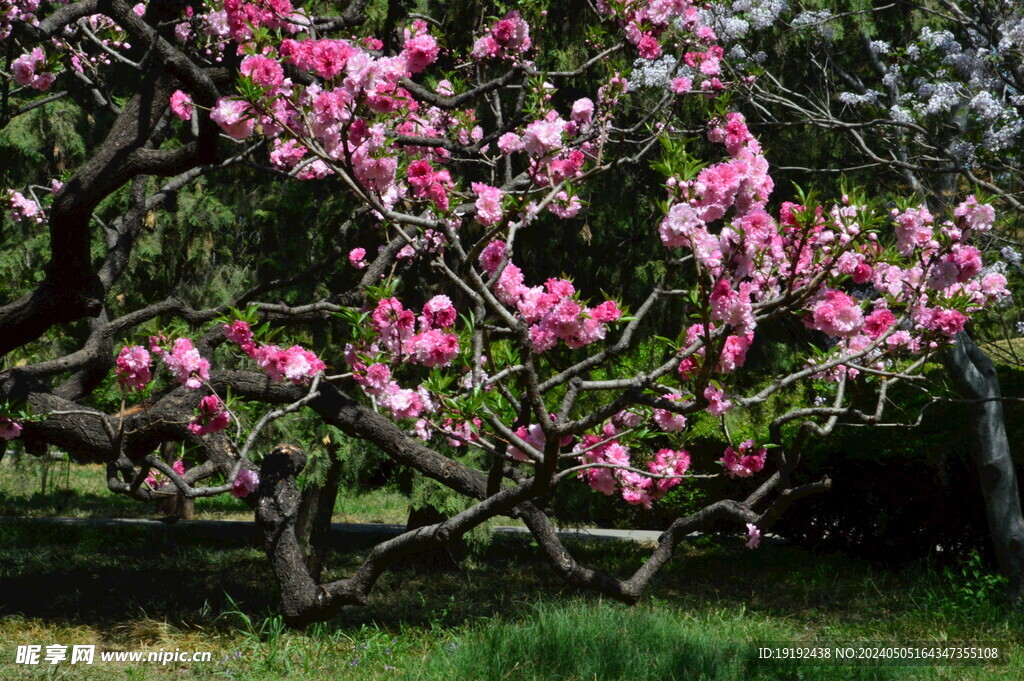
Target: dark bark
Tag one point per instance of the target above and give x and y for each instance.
(976, 377)
(315, 513)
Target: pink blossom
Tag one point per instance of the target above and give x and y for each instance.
(132, 368)
(510, 143)
(181, 105)
(23, 208)
(488, 204)
(878, 322)
(187, 365)
(681, 85)
(403, 404)
(157, 480)
(717, 404)
(837, 315)
(246, 482)
(582, 110)
(287, 154)
(753, 536)
(667, 420)
(543, 136)
(636, 488)
(508, 38)
(355, 257)
(948, 322)
(669, 462)
(993, 285)
(741, 464)
(420, 52)
(263, 71)
(608, 311)
(238, 332)
(565, 206)
(733, 307)
(682, 221)
(295, 364)
(913, 229)
(213, 416)
(433, 348)
(438, 312)
(231, 116)
(649, 47)
(27, 70)
(973, 215)
(183, 31)
(491, 256)
(734, 353)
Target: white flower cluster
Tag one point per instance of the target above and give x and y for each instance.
(760, 13)
(820, 21)
(656, 73)
(880, 47)
(1010, 255)
(963, 152)
(941, 97)
(854, 99)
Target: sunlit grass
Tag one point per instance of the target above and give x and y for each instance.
(80, 491)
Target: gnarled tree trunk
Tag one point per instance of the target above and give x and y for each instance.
(975, 376)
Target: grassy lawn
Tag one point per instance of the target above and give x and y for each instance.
(504, 615)
(80, 491)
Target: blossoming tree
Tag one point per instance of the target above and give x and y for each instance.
(460, 360)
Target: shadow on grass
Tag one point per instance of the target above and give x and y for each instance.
(102, 575)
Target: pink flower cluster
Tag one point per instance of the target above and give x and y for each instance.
(742, 463)
(397, 338)
(157, 480)
(433, 346)
(29, 70)
(295, 364)
(753, 259)
(645, 22)
(22, 208)
(428, 183)
(181, 105)
(636, 488)
(186, 364)
(534, 436)
(14, 11)
(246, 482)
(403, 403)
(488, 204)
(213, 416)
(242, 17)
(132, 368)
(741, 183)
(234, 117)
(667, 420)
(506, 39)
(420, 49)
(551, 310)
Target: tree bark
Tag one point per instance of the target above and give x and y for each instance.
(975, 376)
(315, 511)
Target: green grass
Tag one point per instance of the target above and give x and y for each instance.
(504, 615)
(80, 491)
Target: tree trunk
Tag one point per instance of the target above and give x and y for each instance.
(314, 521)
(976, 378)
